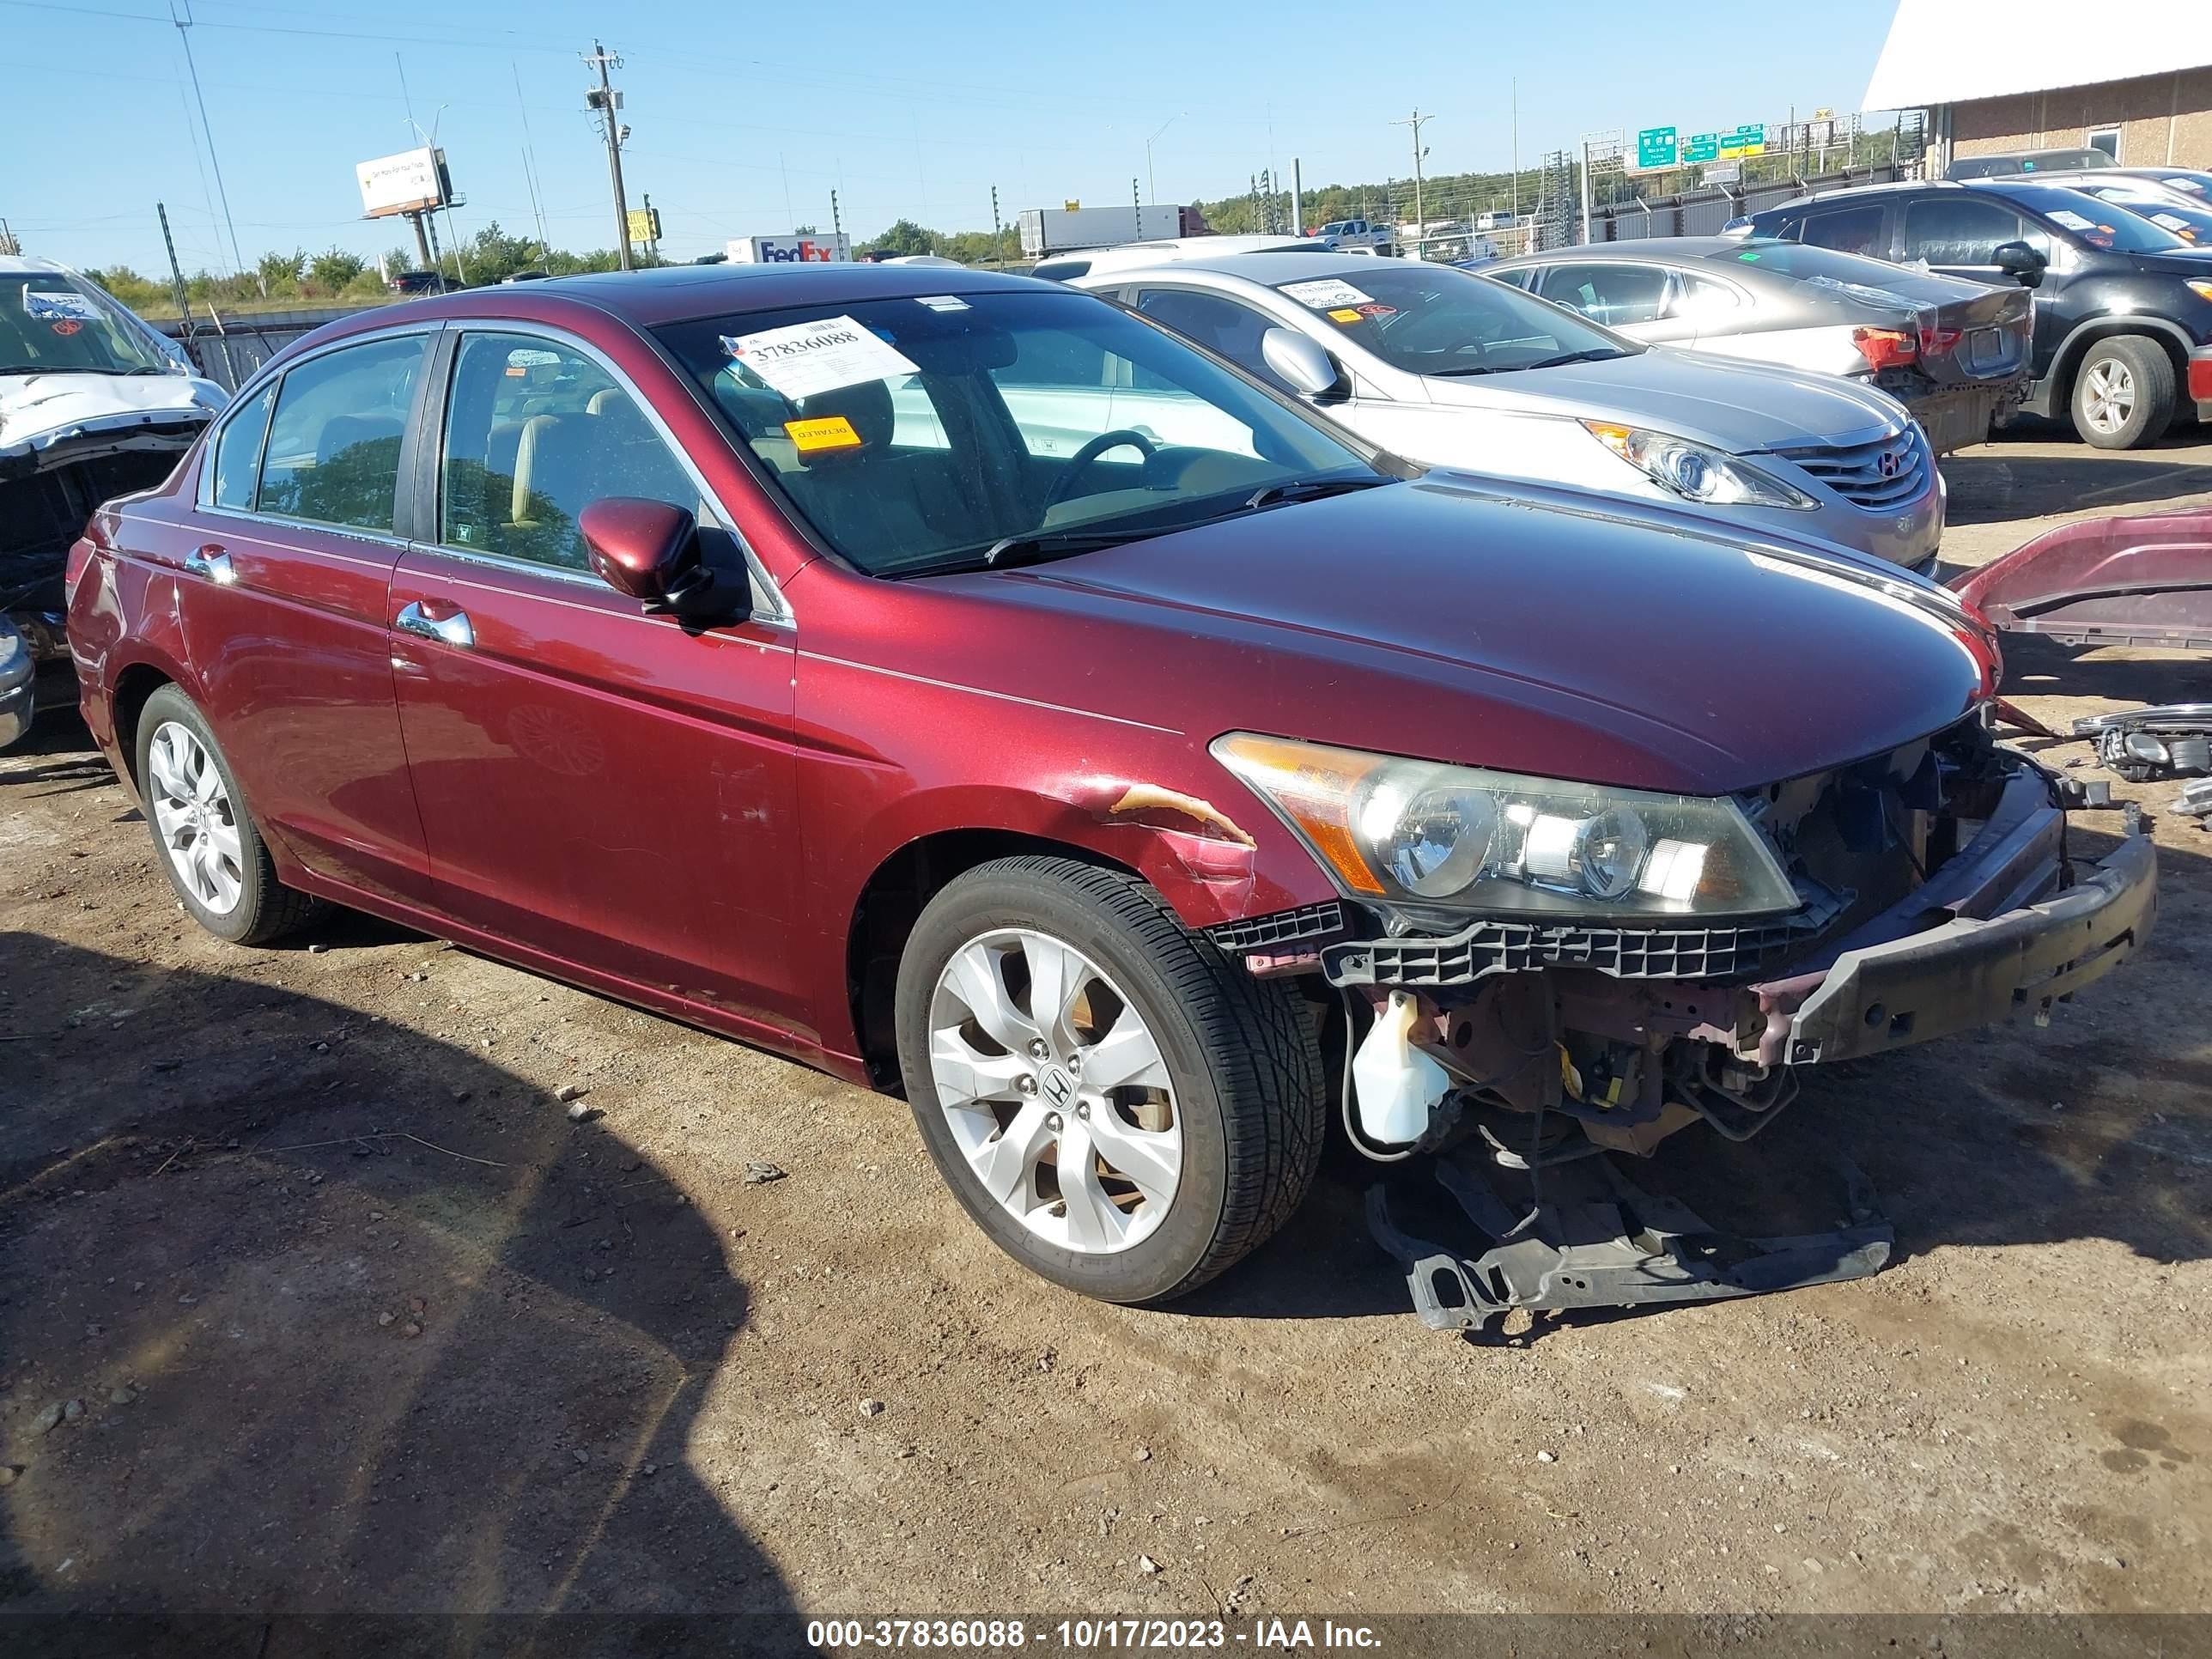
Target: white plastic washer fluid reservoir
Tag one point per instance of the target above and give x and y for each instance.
(1396, 1086)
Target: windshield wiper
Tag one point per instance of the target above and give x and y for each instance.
(1309, 490)
(1029, 547)
(1597, 355)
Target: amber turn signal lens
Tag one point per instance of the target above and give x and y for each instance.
(1314, 787)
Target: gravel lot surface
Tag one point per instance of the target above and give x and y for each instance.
(342, 1310)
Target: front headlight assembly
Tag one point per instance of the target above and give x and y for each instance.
(1425, 836)
(1696, 472)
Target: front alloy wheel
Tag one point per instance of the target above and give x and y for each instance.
(1054, 1091)
(1123, 1109)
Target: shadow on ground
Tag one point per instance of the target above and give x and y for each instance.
(359, 1322)
(1997, 481)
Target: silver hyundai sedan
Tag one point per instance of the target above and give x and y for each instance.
(1448, 367)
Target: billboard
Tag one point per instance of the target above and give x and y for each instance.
(413, 181)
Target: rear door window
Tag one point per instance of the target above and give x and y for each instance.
(1849, 230)
(333, 452)
(237, 451)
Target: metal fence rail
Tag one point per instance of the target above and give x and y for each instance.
(228, 349)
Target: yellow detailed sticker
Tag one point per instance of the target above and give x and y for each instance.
(1346, 315)
(829, 432)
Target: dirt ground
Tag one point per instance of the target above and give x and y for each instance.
(344, 1313)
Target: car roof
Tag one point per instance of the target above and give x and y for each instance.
(1268, 270)
(676, 294)
(18, 262)
(1688, 250)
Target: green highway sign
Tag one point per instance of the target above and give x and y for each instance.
(1744, 141)
(1656, 147)
(1703, 147)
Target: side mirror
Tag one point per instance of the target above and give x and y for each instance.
(649, 551)
(1299, 361)
(2020, 262)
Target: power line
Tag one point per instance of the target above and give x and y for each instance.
(184, 33)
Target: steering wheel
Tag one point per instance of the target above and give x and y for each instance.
(1064, 486)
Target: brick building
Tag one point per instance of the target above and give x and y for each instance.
(2130, 76)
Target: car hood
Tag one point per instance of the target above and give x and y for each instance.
(1741, 407)
(1542, 631)
(40, 412)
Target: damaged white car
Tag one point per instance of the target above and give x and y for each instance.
(93, 404)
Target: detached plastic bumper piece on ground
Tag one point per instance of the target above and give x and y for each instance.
(1597, 1240)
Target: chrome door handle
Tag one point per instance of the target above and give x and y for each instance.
(452, 630)
(212, 562)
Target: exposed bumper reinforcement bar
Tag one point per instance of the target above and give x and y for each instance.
(1600, 1240)
(1967, 973)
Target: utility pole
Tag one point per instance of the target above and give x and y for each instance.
(837, 224)
(1586, 195)
(183, 22)
(176, 271)
(1527, 245)
(1420, 213)
(1137, 201)
(652, 230)
(997, 231)
(1297, 207)
(607, 100)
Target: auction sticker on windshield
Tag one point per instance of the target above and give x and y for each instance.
(51, 305)
(1326, 294)
(807, 358)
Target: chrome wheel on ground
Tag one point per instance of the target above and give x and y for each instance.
(1119, 1107)
(1055, 1091)
(2108, 395)
(194, 818)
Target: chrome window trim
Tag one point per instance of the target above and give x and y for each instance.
(780, 615)
(203, 487)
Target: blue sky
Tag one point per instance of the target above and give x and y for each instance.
(744, 118)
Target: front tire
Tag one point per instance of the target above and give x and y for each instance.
(1123, 1109)
(206, 840)
(2123, 393)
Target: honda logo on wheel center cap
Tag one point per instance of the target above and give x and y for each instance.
(1059, 1087)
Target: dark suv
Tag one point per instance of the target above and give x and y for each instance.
(2122, 308)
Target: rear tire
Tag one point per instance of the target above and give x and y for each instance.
(1236, 1066)
(2123, 393)
(204, 837)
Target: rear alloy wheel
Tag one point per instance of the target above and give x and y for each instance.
(210, 847)
(2123, 393)
(1121, 1108)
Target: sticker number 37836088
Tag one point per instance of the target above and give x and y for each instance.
(807, 358)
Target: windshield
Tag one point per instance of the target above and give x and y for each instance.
(2191, 224)
(918, 434)
(2042, 160)
(52, 324)
(1436, 320)
(2101, 224)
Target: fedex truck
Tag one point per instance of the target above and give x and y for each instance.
(811, 249)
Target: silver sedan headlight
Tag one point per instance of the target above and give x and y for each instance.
(1697, 472)
(1467, 839)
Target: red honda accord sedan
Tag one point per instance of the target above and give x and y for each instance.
(957, 684)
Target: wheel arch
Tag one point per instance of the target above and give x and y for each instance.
(132, 685)
(891, 900)
(2076, 347)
